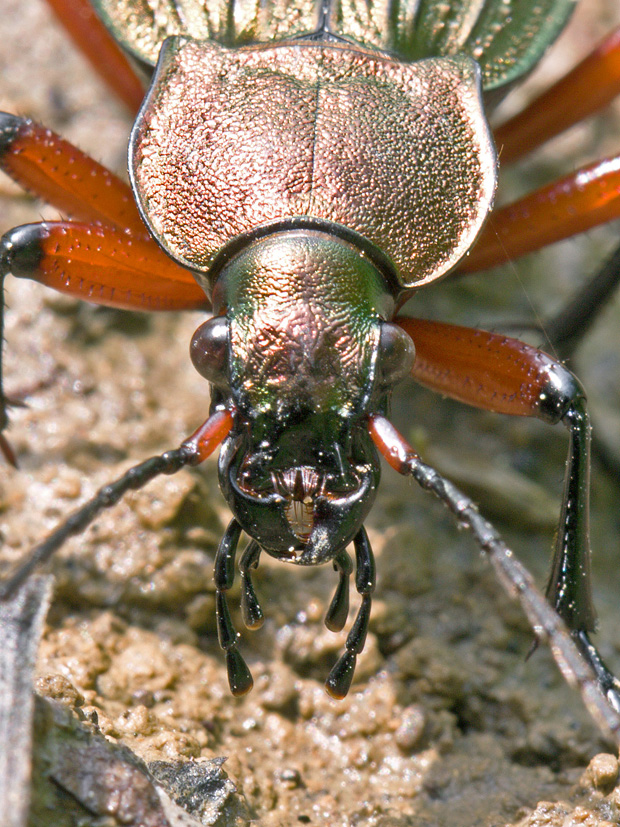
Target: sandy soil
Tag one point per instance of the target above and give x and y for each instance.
(446, 724)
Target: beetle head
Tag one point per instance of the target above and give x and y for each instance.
(302, 354)
(300, 493)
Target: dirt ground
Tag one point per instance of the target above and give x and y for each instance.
(446, 723)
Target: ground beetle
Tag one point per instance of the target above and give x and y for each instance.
(305, 168)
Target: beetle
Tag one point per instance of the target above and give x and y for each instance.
(300, 388)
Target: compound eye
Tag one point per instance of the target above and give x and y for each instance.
(209, 351)
(396, 354)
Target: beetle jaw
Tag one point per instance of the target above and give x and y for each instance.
(301, 514)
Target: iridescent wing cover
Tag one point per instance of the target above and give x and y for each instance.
(505, 37)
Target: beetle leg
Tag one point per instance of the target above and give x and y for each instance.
(100, 264)
(100, 49)
(192, 451)
(54, 170)
(239, 677)
(571, 205)
(338, 610)
(577, 668)
(505, 375)
(585, 90)
(251, 611)
(110, 260)
(341, 675)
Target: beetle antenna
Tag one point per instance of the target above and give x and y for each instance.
(191, 452)
(572, 659)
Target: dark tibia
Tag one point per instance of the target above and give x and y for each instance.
(338, 610)
(340, 677)
(251, 611)
(569, 589)
(138, 476)
(239, 677)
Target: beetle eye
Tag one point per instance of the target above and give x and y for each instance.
(209, 350)
(396, 354)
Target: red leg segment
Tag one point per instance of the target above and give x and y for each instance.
(101, 265)
(119, 264)
(100, 49)
(587, 89)
(482, 369)
(572, 205)
(59, 173)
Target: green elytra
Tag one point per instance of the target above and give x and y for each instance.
(505, 38)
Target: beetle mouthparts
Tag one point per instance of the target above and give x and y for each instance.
(299, 486)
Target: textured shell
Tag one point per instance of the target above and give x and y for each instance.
(229, 141)
(506, 37)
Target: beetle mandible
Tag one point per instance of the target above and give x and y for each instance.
(312, 171)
